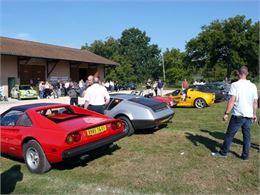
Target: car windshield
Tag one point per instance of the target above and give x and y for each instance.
(25, 87)
(214, 87)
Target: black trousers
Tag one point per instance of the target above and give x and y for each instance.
(74, 101)
(100, 108)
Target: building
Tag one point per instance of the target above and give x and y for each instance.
(28, 62)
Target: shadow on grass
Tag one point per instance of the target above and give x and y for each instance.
(221, 136)
(211, 144)
(82, 162)
(150, 130)
(9, 179)
(197, 140)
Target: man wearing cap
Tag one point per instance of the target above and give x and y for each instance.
(96, 96)
(242, 105)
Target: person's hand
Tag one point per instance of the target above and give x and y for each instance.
(254, 118)
(225, 117)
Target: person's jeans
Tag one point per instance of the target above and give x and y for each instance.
(234, 124)
(41, 94)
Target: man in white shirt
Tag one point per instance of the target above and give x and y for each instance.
(243, 104)
(96, 96)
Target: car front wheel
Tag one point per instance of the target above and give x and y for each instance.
(35, 158)
(200, 103)
(128, 125)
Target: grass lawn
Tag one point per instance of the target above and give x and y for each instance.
(173, 160)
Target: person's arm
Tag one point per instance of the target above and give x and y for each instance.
(230, 105)
(86, 104)
(86, 98)
(255, 106)
(106, 95)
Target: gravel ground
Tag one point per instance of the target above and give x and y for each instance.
(5, 105)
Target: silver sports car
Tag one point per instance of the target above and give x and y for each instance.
(138, 112)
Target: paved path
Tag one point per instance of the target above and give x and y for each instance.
(64, 100)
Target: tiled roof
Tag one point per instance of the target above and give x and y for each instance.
(17, 47)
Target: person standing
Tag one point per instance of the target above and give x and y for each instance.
(160, 87)
(96, 97)
(243, 104)
(74, 92)
(41, 89)
(155, 87)
(66, 87)
(184, 85)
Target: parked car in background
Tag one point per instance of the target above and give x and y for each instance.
(127, 86)
(211, 88)
(224, 86)
(192, 98)
(43, 134)
(138, 112)
(149, 93)
(24, 92)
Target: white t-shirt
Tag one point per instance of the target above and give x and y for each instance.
(245, 93)
(96, 95)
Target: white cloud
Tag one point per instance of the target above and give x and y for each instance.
(25, 36)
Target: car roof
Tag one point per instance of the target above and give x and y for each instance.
(124, 96)
(29, 106)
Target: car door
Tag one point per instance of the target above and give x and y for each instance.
(9, 131)
(176, 96)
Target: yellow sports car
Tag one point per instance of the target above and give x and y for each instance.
(192, 98)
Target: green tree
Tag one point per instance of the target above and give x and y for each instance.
(175, 67)
(145, 58)
(108, 49)
(223, 46)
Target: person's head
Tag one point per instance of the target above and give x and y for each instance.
(96, 80)
(90, 79)
(242, 72)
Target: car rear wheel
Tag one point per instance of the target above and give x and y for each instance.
(128, 125)
(200, 103)
(35, 158)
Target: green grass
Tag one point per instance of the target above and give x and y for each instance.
(173, 160)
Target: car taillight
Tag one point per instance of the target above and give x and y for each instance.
(73, 137)
(116, 125)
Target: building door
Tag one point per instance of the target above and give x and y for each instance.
(11, 84)
(83, 74)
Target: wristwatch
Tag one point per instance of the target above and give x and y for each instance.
(226, 113)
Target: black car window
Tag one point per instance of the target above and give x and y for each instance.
(10, 118)
(25, 87)
(154, 105)
(113, 103)
(176, 92)
(25, 121)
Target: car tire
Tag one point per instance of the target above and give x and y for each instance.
(128, 125)
(200, 103)
(35, 158)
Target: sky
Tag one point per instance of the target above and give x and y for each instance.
(72, 23)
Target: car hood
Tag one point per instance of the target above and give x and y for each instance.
(83, 123)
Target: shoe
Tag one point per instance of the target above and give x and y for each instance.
(217, 154)
(244, 158)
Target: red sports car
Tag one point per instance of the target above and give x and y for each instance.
(149, 93)
(44, 134)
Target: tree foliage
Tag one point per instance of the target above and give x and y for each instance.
(220, 47)
(225, 45)
(138, 59)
